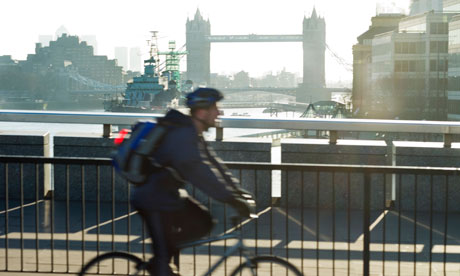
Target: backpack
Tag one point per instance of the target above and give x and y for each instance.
(132, 158)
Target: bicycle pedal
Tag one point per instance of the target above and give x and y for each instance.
(143, 266)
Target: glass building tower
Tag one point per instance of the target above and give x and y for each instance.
(409, 69)
(422, 6)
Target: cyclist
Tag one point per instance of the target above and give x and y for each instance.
(171, 215)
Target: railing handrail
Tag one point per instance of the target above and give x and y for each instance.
(446, 128)
(407, 126)
(248, 165)
(55, 160)
(68, 117)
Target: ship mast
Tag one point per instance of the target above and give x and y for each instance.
(173, 57)
(153, 51)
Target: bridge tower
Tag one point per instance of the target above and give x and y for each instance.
(199, 49)
(314, 49)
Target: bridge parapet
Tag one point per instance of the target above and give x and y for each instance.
(333, 127)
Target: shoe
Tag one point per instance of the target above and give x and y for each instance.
(166, 271)
(173, 270)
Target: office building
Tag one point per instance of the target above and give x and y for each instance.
(121, 55)
(60, 31)
(453, 90)
(76, 59)
(423, 6)
(135, 59)
(409, 69)
(90, 41)
(45, 40)
(362, 60)
(451, 6)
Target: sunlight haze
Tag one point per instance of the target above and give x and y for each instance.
(128, 24)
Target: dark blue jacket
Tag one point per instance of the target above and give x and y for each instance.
(187, 153)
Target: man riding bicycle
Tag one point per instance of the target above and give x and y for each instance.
(171, 215)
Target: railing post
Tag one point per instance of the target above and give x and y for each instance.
(333, 136)
(107, 130)
(448, 140)
(366, 223)
(48, 169)
(219, 133)
(390, 196)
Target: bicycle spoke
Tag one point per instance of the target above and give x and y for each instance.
(266, 265)
(124, 264)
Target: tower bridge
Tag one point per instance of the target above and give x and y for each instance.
(254, 38)
(313, 39)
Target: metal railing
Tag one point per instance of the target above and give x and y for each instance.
(333, 219)
(446, 128)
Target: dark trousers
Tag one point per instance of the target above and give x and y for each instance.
(169, 228)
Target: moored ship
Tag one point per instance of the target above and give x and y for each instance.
(143, 94)
(150, 92)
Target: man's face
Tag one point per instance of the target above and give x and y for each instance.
(206, 117)
(211, 115)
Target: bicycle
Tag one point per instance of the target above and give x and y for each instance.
(252, 265)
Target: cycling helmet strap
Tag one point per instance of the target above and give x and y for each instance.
(202, 121)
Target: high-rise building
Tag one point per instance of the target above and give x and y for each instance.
(453, 86)
(69, 55)
(135, 59)
(60, 31)
(45, 39)
(409, 69)
(362, 60)
(121, 54)
(422, 6)
(451, 6)
(90, 41)
(7, 64)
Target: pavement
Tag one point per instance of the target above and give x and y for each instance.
(410, 245)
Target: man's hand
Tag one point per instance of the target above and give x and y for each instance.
(244, 207)
(244, 193)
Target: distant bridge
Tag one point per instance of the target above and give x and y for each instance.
(280, 90)
(92, 86)
(291, 91)
(97, 92)
(275, 106)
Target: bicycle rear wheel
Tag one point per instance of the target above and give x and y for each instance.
(266, 265)
(115, 263)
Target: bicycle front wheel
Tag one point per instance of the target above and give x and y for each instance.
(266, 265)
(115, 263)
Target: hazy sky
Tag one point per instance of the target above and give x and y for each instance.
(128, 23)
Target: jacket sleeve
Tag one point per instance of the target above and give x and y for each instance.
(218, 163)
(195, 166)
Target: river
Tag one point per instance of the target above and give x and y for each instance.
(79, 129)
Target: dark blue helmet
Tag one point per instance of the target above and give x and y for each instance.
(203, 97)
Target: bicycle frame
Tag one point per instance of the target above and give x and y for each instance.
(239, 246)
(250, 261)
